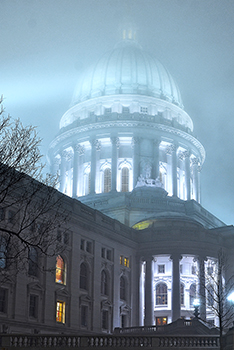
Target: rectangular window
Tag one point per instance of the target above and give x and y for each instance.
(161, 321)
(108, 255)
(161, 268)
(60, 312)
(66, 238)
(3, 300)
(82, 244)
(126, 262)
(144, 110)
(84, 315)
(89, 247)
(103, 253)
(105, 319)
(121, 259)
(33, 306)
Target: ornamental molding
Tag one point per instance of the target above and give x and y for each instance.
(129, 125)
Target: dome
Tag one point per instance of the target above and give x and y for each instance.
(127, 69)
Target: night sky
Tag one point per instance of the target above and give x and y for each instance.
(45, 45)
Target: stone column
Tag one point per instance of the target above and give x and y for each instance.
(95, 145)
(80, 185)
(202, 287)
(172, 174)
(155, 170)
(55, 166)
(75, 170)
(175, 302)
(199, 184)
(187, 174)
(195, 162)
(141, 294)
(114, 161)
(149, 299)
(136, 159)
(63, 171)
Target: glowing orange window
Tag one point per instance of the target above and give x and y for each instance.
(60, 270)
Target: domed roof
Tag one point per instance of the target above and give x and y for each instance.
(127, 69)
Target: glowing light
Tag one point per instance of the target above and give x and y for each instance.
(231, 297)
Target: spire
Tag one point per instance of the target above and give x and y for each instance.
(128, 30)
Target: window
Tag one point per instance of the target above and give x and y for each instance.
(192, 294)
(122, 288)
(103, 253)
(107, 180)
(107, 110)
(125, 110)
(181, 294)
(89, 247)
(108, 254)
(144, 110)
(33, 306)
(125, 180)
(161, 294)
(161, 321)
(105, 319)
(210, 295)
(3, 300)
(123, 321)
(161, 268)
(124, 261)
(83, 277)
(82, 244)
(104, 283)
(60, 312)
(3, 252)
(33, 262)
(60, 270)
(84, 315)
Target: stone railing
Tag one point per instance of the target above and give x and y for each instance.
(64, 342)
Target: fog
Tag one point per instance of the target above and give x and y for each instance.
(45, 45)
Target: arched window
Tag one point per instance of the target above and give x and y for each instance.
(60, 270)
(83, 276)
(210, 295)
(33, 262)
(161, 294)
(181, 294)
(107, 180)
(3, 252)
(104, 283)
(125, 180)
(122, 288)
(192, 293)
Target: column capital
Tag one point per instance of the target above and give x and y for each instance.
(115, 141)
(156, 142)
(135, 141)
(171, 149)
(195, 161)
(176, 256)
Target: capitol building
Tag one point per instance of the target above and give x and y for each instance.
(141, 247)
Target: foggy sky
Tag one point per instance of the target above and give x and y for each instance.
(45, 44)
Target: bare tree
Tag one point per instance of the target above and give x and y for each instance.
(218, 288)
(30, 206)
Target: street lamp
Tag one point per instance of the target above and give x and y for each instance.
(196, 304)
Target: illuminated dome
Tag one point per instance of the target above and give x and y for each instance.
(127, 69)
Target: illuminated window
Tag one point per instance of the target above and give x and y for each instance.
(3, 300)
(192, 293)
(60, 270)
(104, 283)
(161, 268)
(161, 294)
(181, 294)
(60, 312)
(161, 321)
(83, 277)
(107, 180)
(33, 262)
(124, 261)
(125, 180)
(122, 288)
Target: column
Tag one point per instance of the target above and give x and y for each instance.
(149, 300)
(199, 184)
(95, 145)
(114, 160)
(75, 171)
(202, 287)
(175, 300)
(187, 174)
(172, 170)
(55, 166)
(63, 171)
(141, 294)
(80, 179)
(136, 159)
(155, 170)
(195, 163)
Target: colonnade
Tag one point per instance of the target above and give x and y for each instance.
(148, 293)
(70, 165)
